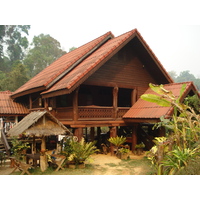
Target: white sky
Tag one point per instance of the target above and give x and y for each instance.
(170, 28)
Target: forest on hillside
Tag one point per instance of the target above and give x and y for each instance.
(21, 59)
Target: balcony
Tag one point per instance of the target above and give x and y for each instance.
(90, 113)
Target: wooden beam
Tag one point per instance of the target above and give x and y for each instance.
(134, 96)
(92, 133)
(113, 133)
(78, 133)
(75, 105)
(134, 137)
(115, 101)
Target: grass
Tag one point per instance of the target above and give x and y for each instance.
(130, 166)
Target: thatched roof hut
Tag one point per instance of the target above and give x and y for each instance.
(39, 123)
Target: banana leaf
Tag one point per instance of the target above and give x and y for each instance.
(156, 99)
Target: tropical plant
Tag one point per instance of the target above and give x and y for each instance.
(178, 159)
(183, 133)
(117, 141)
(79, 151)
(140, 146)
(124, 150)
(18, 147)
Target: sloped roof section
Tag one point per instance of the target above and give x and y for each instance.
(147, 110)
(9, 107)
(88, 66)
(60, 67)
(39, 123)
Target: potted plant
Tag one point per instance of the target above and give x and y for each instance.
(139, 148)
(78, 152)
(117, 141)
(123, 153)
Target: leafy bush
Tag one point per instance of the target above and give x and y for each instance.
(171, 154)
(78, 152)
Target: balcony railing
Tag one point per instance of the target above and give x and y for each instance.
(90, 113)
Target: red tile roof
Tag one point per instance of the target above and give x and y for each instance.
(146, 110)
(9, 107)
(93, 62)
(57, 69)
(73, 68)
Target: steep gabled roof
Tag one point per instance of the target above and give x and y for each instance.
(9, 107)
(82, 71)
(47, 77)
(72, 69)
(147, 110)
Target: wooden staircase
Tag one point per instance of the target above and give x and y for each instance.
(5, 144)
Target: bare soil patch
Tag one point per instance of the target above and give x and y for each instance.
(99, 164)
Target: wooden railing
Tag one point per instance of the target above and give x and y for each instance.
(90, 112)
(94, 112)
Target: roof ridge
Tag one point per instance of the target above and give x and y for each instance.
(97, 45)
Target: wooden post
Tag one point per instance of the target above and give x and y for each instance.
(115, 101)
(30, 102)
(113, 133)
(92, 133)
(78, 133)
(134, 97)
(43, 158)
(75, 105)
(134, 137)
(43, 144)
(99, 137)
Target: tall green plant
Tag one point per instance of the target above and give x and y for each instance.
(78, 152)
(184, 129)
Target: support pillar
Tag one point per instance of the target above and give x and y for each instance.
(115, 101)
(134, 137)
(75, 105)
(78, 133)
(113, 133)
(92, 133)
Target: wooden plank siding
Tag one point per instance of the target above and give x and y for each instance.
(123, 70)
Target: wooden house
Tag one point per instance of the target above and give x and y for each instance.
(97, 84)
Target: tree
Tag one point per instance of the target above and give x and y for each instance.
(173, 74)
(16, 78)
(13, 44)
(72, 48)
(185, 76)
(44, 51)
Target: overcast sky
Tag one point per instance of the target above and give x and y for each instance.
(170, 28)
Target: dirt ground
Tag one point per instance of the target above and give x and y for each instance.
(102, 161)
(99, 161)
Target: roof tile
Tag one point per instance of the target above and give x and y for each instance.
(145, 109)
(58, 67)
(9, 107)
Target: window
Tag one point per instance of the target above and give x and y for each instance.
(124, 97)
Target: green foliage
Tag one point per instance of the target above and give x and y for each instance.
(78, 152)
(16, 78)
(124, 150)
(140, 146)
(44, 51)
(18, 146)
(13, 40)
(181, 145)
(185, 76)
(117, 141)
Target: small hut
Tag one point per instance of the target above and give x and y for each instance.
(39, 124)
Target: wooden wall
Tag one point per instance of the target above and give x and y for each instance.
(123, 70)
